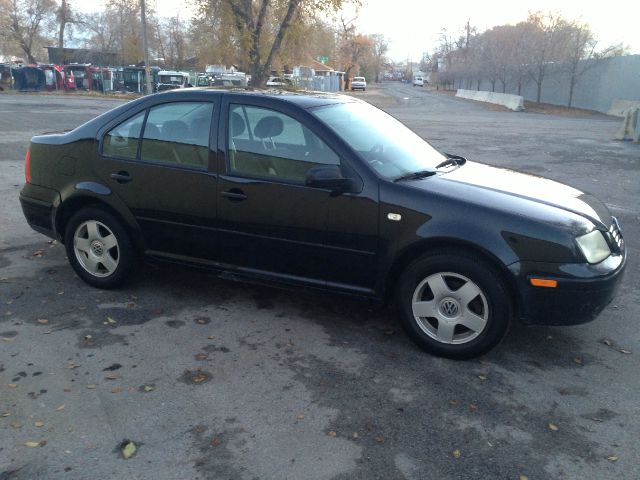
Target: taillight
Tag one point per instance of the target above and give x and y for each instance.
(27, 166)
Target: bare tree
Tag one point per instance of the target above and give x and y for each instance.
(26, 24)
(379, 48)
(581, 54)
(548, 41)
(353, 48)
(64, 16)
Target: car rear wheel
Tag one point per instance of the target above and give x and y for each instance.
(99, 248)
(453, 305)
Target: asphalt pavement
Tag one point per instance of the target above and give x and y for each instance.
(218, 380)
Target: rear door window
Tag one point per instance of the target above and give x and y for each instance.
(178, 133)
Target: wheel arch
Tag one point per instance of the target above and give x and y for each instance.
(453, 246)
(78, 202)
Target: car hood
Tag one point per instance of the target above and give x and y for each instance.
(533, 187)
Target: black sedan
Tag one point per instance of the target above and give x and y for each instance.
(328, 192)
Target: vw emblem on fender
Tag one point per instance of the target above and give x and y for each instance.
(449, 308)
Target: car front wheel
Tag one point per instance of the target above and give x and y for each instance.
(453, 305)
(99, 248)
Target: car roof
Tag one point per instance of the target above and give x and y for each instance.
(301, 99)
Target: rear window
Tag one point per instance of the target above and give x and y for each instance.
(358, 79)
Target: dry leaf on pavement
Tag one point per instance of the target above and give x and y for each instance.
(457, 453)
(553, 427)
(128, 450)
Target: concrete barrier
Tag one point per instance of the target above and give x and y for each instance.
(630, 129)
(513, 102)
(619, 108)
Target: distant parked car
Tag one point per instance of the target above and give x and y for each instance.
(358, 83)
(279, 82)
(327, 192)
(418, 81)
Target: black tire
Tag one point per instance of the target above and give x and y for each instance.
(123, 252)
(458, 269)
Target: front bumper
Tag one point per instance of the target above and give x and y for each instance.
(583, 290)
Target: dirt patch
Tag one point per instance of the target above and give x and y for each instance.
(375, 96)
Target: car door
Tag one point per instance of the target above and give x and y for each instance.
(270, 221)
(157, 163)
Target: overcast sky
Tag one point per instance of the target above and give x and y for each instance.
(413, 26)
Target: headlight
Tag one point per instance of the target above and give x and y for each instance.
(594, 246)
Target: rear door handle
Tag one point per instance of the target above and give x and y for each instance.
(235, 194)
(121, 177)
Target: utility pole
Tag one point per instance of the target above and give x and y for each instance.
(145, 46)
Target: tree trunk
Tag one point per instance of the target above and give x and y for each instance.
(539, 92)
(63, 23)
(572, 84)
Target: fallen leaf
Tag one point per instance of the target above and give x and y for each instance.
(117, 390)
(607, 342)
(112, 377)
(300, 417)
(211, 337)
(200, 429)
(60, 408)
(454, 402)
(88, 337)
(523, 477)
(332, 433)
(553, 427)
(578, 360)
(148, 388)
(91, 387)
(380, 439)
(16, 425)
(38, 253)
(612, 458)
(5, 414)
(70, 429)
(110, 321)
(32, 444)
(73, 365)
(355, 435)
(12, 385)
(39, 424)
(7, 339)
(549, 337)
(625, 351)
(216, 441)
(457, 453)
(199, 377)
(128, 450)
(473, 407)
(482, 377)
(42, 321)
(201, 356)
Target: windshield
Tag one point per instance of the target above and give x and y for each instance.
(387, 145)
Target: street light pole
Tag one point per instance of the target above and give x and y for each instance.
(145, 46)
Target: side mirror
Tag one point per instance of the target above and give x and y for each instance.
(331, 178)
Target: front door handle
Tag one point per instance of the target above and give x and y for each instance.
(235, 194)
(121, 177)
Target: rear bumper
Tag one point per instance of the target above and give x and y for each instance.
(40, 210)
(583, 290)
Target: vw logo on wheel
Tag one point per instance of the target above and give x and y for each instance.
(449, 308)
